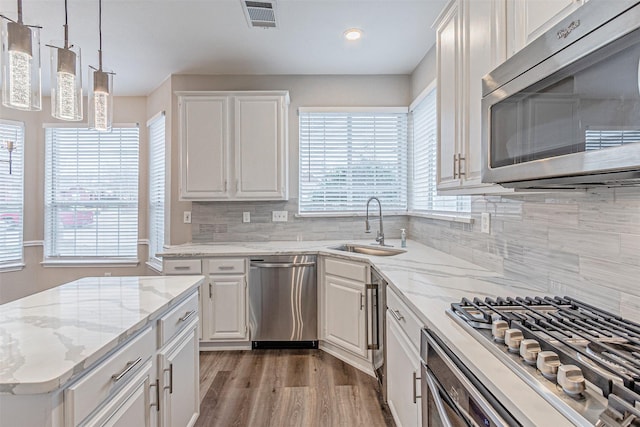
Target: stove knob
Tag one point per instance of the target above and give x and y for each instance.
(571, 380)
(498, 328)
(529, 350)
(512, 338)
(548, 363)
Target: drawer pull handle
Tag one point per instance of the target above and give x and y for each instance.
(225, 267)
(129, 366)
(170, 378)
(396, 313)
(182, 267)
(186, 316)
(415, 396)
(157, 386)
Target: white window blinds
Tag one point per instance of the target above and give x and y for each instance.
(91, 193)
(156, 187)
(423, 196)
(346, 157)
(597, 139)
(11, 192)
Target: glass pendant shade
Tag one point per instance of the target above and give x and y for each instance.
(100, 100)
(21, 83)
(66, 82)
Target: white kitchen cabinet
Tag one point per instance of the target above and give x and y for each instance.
(470, 42)
(528, 19)
(184, 266)
(227, 308)
(178, 370)
(233, 145)
(403, 363)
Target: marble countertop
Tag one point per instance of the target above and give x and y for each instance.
(428, 281)
(48, 338)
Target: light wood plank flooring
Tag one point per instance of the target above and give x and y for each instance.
(286, 388)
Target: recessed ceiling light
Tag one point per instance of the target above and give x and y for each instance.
(352, 34)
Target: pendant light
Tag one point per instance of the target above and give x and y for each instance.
(66, 78)
(101, 90)
(21, 83)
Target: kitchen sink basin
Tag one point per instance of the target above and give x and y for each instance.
(369, 249)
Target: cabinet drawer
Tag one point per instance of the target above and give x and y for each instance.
(91, 390)
(182, 266)
(348, 270)
(172, 322)
(227, 266)
(404, 317)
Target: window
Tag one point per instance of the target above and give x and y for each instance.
(156, 188)
(424, 144)
(11, 193)
(91, 194)
(597, 139)
(347, 157)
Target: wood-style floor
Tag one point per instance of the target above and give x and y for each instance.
(305, 388)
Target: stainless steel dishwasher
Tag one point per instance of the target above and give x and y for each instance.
(283, 302)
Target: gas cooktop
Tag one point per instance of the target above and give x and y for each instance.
(580, 358)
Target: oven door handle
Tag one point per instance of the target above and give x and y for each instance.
(435, 392)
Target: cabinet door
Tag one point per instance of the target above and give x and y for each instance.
(227, 307)
(260, 148)
(179, 380)
(528, 19)
(204, 142)
(345, 315)
(403, 366)
(132, 405)
(448, 55)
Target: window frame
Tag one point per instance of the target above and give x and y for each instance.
(16, 264)
(83, 260)
(349, 110)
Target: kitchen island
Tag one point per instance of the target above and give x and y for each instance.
(427, 281)
(68, 353)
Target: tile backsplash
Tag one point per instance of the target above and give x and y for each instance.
(584, 244)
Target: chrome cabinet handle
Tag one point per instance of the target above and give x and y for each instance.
(396, 313)
(187, 315)
(282, 264)
(415, 392)
(461, 173)
(170, 378)
(455, 159)
(157, 386)
(128, 367)
(361, 301)
(225, 267)
(182, 267)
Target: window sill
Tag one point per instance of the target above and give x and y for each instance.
(372, 213)
(155, 266)
(115, 263)
(451, 217)
(12, 267)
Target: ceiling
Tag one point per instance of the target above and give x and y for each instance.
(144, 41)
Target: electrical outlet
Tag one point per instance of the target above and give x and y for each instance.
(246, 216)
(485, 222)
(279, 216)
(107, 274)
(187, 217)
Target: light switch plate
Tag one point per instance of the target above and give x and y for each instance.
(279, 216)
(485, 222)
(246, 216)
(187, 217)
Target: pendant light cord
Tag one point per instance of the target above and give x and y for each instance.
(19, 11)
(100, 34)
(66, 26)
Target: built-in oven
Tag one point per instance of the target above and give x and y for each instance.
(451, 395)
(565, 111)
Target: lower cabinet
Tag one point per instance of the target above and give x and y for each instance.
(403, 363)
(345, 314)
(178, 370)
(227, 308)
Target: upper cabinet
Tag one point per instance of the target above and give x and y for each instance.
(472, 38)
(233, 145)
(528, 19)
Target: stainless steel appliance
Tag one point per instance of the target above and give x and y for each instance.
(378, 332)
(564, 112)
(451, 395)
(583, 360)
(283, 302)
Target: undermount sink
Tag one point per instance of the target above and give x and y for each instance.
(368, 250)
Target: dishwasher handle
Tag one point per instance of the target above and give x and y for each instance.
(282, 264)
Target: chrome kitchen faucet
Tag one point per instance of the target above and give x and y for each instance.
(380, 236)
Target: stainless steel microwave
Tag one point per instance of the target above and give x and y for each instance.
(564, 112)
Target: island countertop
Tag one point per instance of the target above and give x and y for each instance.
(49, 338)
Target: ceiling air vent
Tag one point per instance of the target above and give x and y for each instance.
(260, 14)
